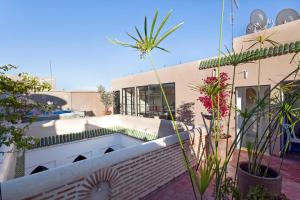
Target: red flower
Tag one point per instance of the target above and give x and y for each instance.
(210, 101)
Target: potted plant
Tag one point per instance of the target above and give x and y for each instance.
(214, 93)
(106, 98)
(254, 172)
(257, 171)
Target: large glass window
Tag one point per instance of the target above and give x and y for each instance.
(169, 89)
(155, 100)
(150, 101)
(128, 97)
(116, 106)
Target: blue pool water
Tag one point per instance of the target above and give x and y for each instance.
(54, 112)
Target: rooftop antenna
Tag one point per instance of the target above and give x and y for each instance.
(50, 66)
(286, 15)
(234, 4)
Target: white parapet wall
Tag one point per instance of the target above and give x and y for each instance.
(7, 163)
(130, 173)
(65, 153)
(57, 127)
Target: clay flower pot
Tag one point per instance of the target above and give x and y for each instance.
(107, 112)
(272, 182)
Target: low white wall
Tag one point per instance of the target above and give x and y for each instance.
(32, 187)
(62, 154)
(57, 127)
(7, 163)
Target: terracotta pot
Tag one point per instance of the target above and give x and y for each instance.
(108, 112)
(221, 148)
(272, 182)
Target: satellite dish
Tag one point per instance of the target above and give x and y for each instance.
(250, 29)
(258, 18)
(286, 15)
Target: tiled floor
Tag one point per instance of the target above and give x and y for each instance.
(181, 189)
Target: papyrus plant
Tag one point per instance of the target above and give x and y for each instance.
(259, 40)
(145, 44)
(279, 109)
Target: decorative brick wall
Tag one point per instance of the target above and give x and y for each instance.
(133, 178)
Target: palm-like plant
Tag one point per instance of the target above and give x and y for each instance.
(145, 44)
(261, 41)
(207, 171)
(235, 59)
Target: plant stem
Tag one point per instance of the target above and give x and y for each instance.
(186, 161)
(219, 179)
(229, 114)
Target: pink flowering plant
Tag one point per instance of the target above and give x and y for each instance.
(209, 94)
(214, 93)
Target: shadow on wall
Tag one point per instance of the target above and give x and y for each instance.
(89, 126)
(89, 113)
(57, 102)
(58, 127)
(165, 128)
(185, 114)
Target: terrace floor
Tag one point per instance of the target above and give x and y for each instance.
(181, 189)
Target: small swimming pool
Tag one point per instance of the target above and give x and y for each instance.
(50, 113)
(58, 112)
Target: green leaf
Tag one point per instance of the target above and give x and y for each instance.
(145, 29)
(162, 24)
(117, 42)
(153, 25)
(168, 33)
(139, 34)
(134, 38)
(163, 49)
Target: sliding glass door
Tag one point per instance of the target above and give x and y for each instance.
(169, 89)
(128, 101)
(116, 102)
(142, 101)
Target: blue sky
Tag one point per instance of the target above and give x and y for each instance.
(72, 34)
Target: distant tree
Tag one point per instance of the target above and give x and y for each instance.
(106, 98)
(15, 106)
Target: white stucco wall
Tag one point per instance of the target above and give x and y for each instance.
(7, 163)
(62, 154)
(57, 127)
(76, 174)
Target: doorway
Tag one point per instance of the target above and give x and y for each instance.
(246, 99)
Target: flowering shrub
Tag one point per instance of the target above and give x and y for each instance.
(209, 94)
(15, 106)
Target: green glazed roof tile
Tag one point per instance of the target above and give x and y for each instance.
(252, 55)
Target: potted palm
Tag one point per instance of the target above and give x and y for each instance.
(257, 171)
(106, 98)
(254, 172)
